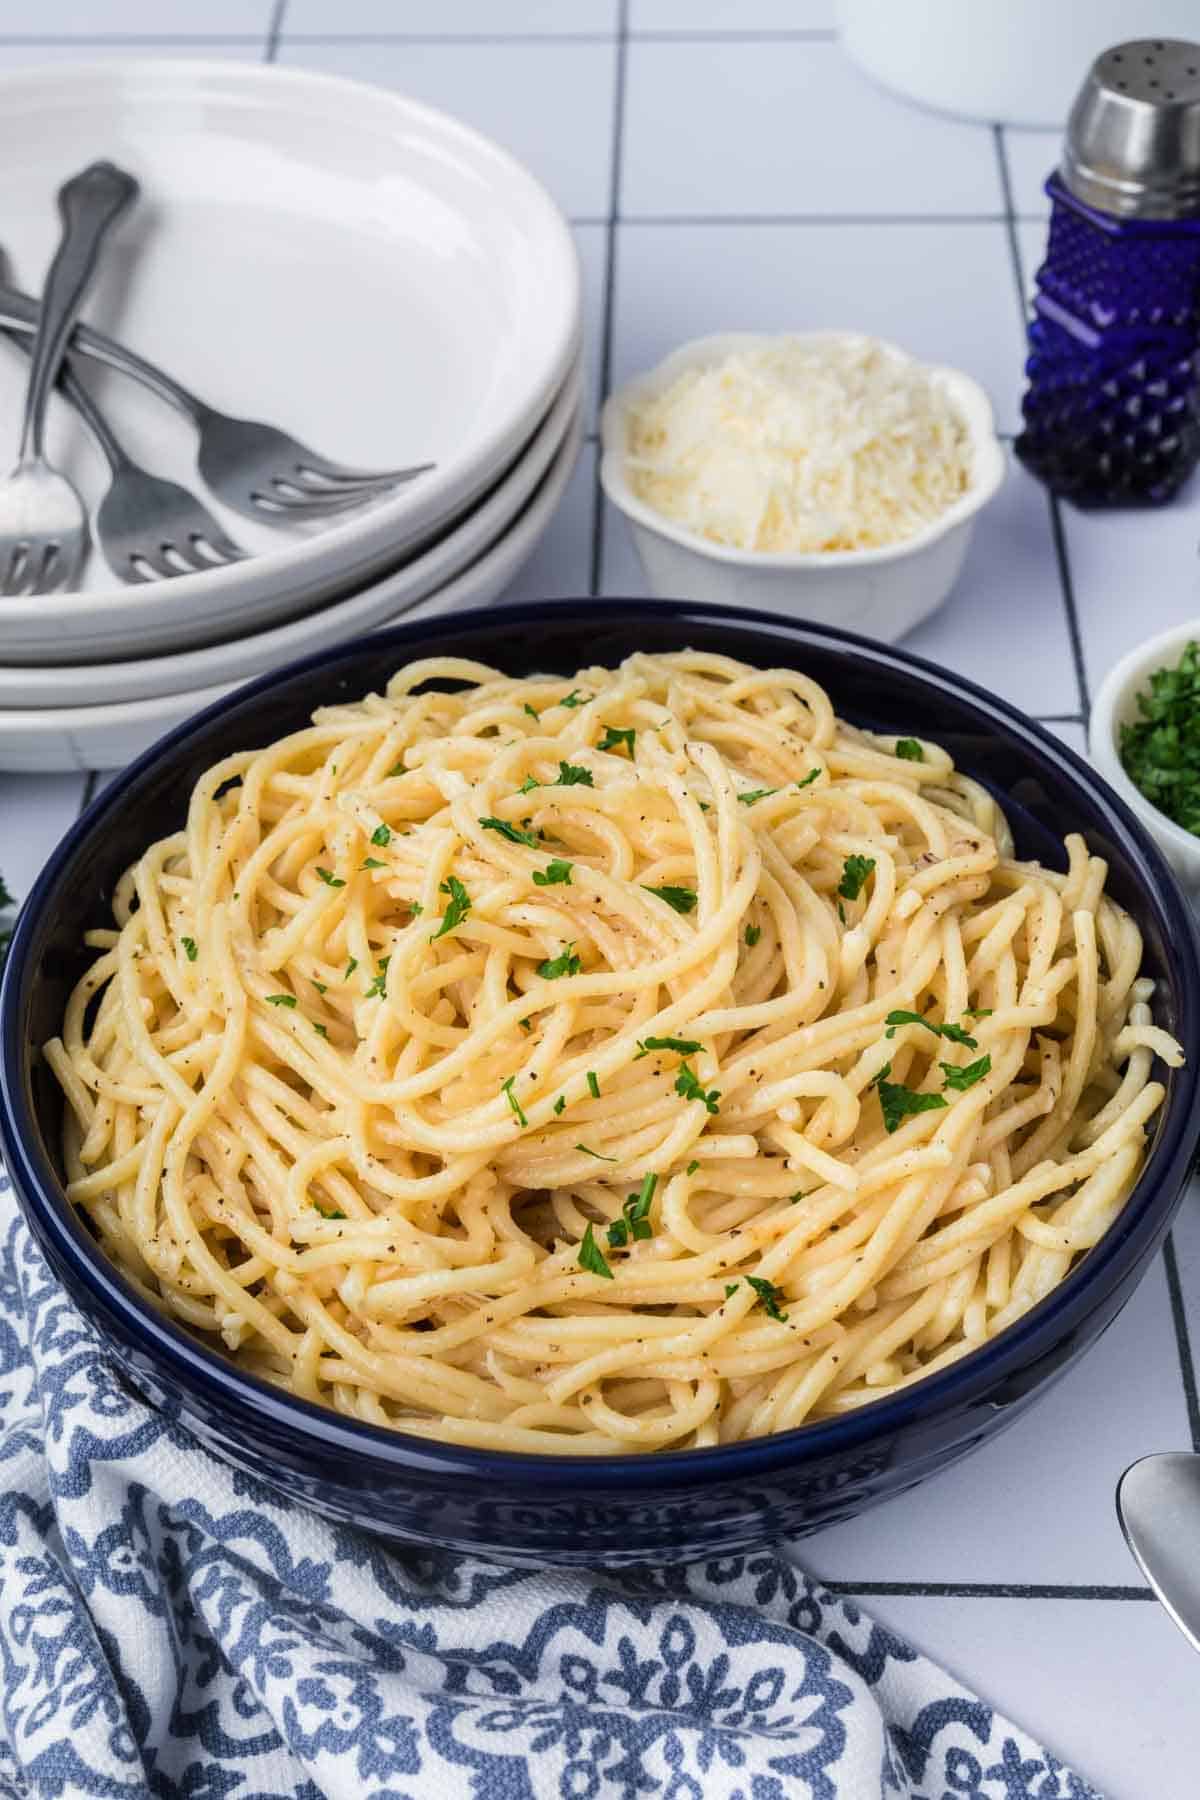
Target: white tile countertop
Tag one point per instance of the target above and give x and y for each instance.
(725, 167)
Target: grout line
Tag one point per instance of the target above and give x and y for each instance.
(1183, 1344)
(449, 37)
(274, 30)
(985, 1590)
(996, 218)
(801, 35)
(128, 39)
(610, 275)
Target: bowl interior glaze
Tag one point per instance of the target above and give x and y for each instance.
(619, 1509)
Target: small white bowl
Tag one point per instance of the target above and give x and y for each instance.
(1116, 705)
(883, 593)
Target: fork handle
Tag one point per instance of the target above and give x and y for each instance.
(88, 205)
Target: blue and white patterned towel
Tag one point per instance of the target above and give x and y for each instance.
(171, 1629)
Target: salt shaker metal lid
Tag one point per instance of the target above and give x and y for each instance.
(1133, 136)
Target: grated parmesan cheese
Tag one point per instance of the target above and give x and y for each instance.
(800, 446)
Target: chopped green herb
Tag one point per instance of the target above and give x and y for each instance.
(909, 750)
(530, 710)
(687, 1085)
(525, 1024)
(841, 912)
(566, 964)
(378, 987)
(638, 1205)
(382, 835)
(510, 832)
(560, 1105)
(954, 1033)
(755, 795)
(281, 999)
(506, 1087)
(681, 898)
(555, 874)
(731, 1287)
(373, 862)
(614, 738)
(855, 870)
(329, 878)
(691, 1168)
(573, 775)
(977, 1012)
(591, 1256)
(798, 1195)
(329, 1212)
(319, 1029)
(397, 768)
(593, 1084)
(704, 806)
(683, 1046)
(961, 1079)
(1161, 749)
(350, 968)
(810, 777)
(528, 785)
(456, 912)
(753, 933)
(897, 1102)
(320, 986)
(618, 1234)
(770, 1296)
(575, 698)
(189, 948)
(596, 1153)
(415, 908)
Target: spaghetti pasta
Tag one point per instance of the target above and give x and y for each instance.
(641, 1061)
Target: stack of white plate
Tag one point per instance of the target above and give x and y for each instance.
(368, 274)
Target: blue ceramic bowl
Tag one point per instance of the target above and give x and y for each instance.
(679, 1505)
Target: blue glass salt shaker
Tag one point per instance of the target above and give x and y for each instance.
(1112, 407)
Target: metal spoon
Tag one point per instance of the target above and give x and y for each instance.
(1158, 1504)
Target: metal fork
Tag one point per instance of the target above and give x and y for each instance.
(149, 529)
(254, 468)
(43, 525)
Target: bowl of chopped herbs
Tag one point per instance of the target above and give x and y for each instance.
(1145, 740)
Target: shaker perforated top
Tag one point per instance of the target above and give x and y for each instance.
(1133, 137)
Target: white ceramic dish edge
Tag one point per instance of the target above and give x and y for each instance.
(107, 737)
(147, 677)
(882, 592)
(1116, 705)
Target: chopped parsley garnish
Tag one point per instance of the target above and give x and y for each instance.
(691, 1168)
(810, 777)
(593, 1082)
(382, 835)
(1161, 749)
(614, 738)
(510, 832)
(909, 750)
(456, 912)
(770, 1296)
(573, 775)
(855, 870)
(687, 1085)
(378, 987)
(397, 768)
(319, 1029)
(755, 795)
(683, 1046)
(560, 1105)
(575, 698)
(415, 908)
(506, 1088)
(329, 878)
(961, 1079)
(591, 1256)
(320, 986)
(753, 933)
(596, 1153)
(954, 1033)
(555, 874)
(530, 710)
(528, 785)
(636, 1222)
(977, 1012)
(350, 968)
(566, 964)
(681, 898)
(329, 1212)
(189, 948)
(731, 1287)
(373, 862)
(281, 999)
(897, 1102)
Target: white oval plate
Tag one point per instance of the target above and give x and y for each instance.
(144, 678)
(365, 272)
(106, 737)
